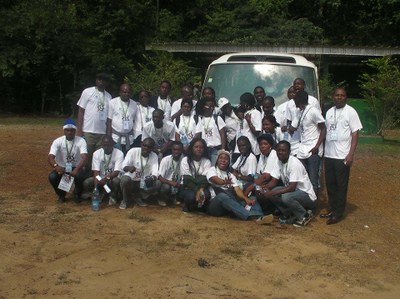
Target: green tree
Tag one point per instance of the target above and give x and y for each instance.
(381, 89)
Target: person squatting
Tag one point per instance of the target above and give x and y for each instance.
(255, 162)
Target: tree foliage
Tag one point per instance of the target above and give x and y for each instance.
(381, 89)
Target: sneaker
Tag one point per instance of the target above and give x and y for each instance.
(123, 205)
(112, 201)
(306, 219)
(161, 202)
(173, 201)
(140, 202)
(267, 219)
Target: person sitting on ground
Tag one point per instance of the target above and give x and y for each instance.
(245, 167)
(68, 156)
(193, 171)
(141, 172)
(170, 175)
(271, 127)
(226, 195)
(210, 127)
(107, 163)
(296, 199)
(121, 119)
(231, 121)
(161, 131)
(185, 124)
(144, 115)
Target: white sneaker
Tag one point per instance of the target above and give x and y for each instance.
(267, 219)
(123, 205)
(112, 201)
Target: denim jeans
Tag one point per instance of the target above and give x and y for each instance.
(312, 166)
(296, 202)
(223, 204)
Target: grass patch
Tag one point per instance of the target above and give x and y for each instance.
(140, 218)
(234, 252)
(31, 120)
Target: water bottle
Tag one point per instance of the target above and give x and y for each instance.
(142, 184)
(202, 199)
(286, 136)
(96, 200)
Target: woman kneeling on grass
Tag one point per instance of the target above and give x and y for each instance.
(226, 195)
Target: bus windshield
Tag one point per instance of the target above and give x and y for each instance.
(231, 80)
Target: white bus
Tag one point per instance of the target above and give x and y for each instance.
(232, 75)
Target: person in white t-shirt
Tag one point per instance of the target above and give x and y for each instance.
(267, 106)
(259, 95)
(93, 112)
(163, 101)
(121, 119)
(271, 127)
(185, 124)
(252, 122)
(231, 120)
(141, 172)
(266, 164)
(170, 174)
(296, 199)
(210, 127)
(143, 116)
(312, 129)
(226, 195)
(186, 94)
(245, 167)
(106, 164)
(193, 171)
(68, 155)
(343, 126)
(162, 132)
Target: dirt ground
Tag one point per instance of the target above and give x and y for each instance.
(67, 251)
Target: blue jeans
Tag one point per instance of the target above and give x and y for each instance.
(312, 166)
(296, 202)
(223, 204)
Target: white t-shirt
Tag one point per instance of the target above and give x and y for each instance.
(209, 130)
(161, 135)
(199, 168)
(122, 116)
(143, 116)
(145, 166)
(165, 105)
(292, 110)
(186, 129)
(342, 123)
(307, 125)
(267, 164)
(176, 106)
(280, 114)
(215, 171)
(246, 166)
(68, 151)
(294, 171)
(106, 164)
(169, 168)
(256, 120)
(232, 124)
(95, 104)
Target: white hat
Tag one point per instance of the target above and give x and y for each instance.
(222, 102)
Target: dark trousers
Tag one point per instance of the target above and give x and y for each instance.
(337, 176)
(312, 165)
(55, 178)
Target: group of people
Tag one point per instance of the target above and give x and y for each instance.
(251, 161)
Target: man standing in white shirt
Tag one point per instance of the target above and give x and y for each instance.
(343, 125)
(68, 155)
(164, 100)
(144, 115)
(121, 119)
(312, 129)
(186, 94)
(296, 200)
(161, 131)
(141, 172)
(93, 112)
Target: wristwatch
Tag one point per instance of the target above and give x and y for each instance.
(55, 165)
